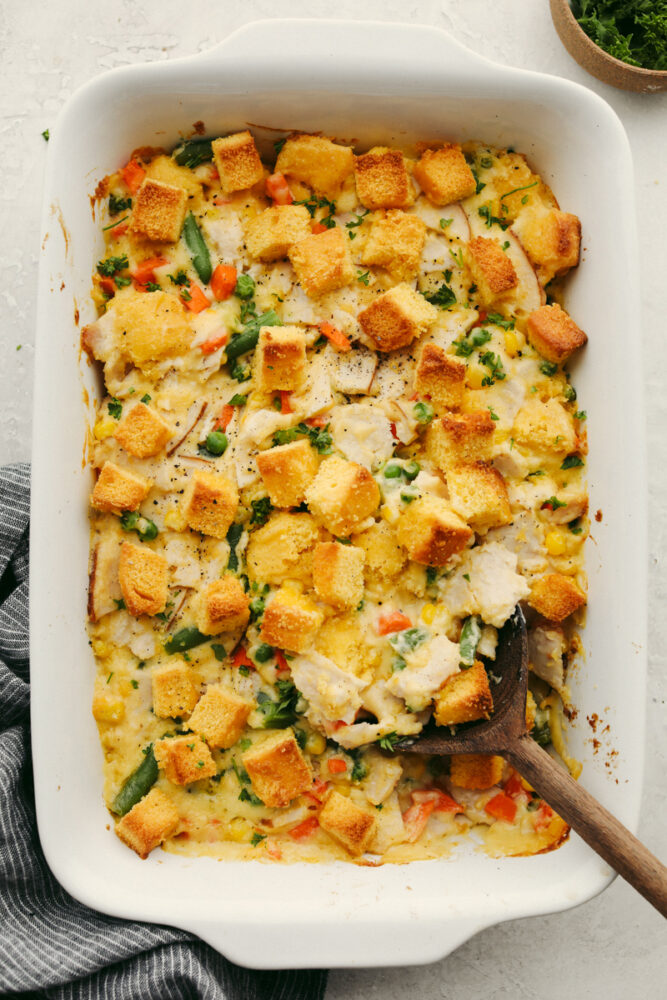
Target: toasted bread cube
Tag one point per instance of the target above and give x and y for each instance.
(238, 162)
(444, 175)
(552, 241)
(440, 377)
(492, 270)
(322, 262)
(342, 495)
(348, 823)
(291, 620)
(151, 327)
(278, 770)
(281, 357)
(464, 697)
(143, 432)
(460, 437)
(223, 607)
(475, 770)
(282, 548)
(546, 427)
(554, 334)
(219, 717)
(118, 489)
(396, 241)
(430, 531)
(271, 233)
(317, 162)
(384, 556)
(143, 576)
(338, 574)
(396, 317)
(287, 471)
(209, 503)
(556, 596)
(382, 179)
(148, 823)
(175, 691)
(159, 210)
(184, 759)
(478, 494)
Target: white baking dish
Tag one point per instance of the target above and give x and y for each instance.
(374, 83)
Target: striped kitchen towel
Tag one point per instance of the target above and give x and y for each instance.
(50, 945)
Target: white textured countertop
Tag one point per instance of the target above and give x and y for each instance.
(614, 946)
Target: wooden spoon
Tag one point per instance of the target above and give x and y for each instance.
(505, 733)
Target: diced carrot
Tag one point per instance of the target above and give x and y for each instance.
(240, 658)
(283, 665)
(416, 818)
(513, 786)
(107, 285)
(336, 765)
(119, 230)
(196, 303)
(213, 173)
(223, 421)
(219, 199)
(335, 337)
(441, 801)
(317, 421)
(319, 788)
(501, 806)
(145, 269)
(339, 723)
(278, 190)
(304, 829)
(273, 850)
(392, 621)
(285, 405)
(133, 174)
(543, 816)
(213, 343)
(223, 281)
(317, 227)
(392, 428)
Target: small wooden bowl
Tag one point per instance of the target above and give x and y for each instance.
(599, 63)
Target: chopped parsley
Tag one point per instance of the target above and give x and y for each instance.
(498, 320)
(282, 712)
(634, 31)
(476, 338)
(494, 364)
(192, 152)
(444, 223)
(580, 415)
(260, 510)
(484, 212)
(117, 204)
(363, 277)
(115, 408)
(319, 437)
(218, 651)
(525, 187)
(257, 838)
(572, 462)
(46, 135)
(313, 203)
(145, 398)
(110, 265)
(494, 415)
(553, 503)
(443, 297)
(246, 796)
(389, 741)
(180, 278)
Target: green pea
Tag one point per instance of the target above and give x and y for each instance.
(393, 472)
(216, 443)
(245, 287)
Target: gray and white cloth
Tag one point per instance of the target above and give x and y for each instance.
(50, 945)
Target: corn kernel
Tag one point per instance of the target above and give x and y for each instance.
(555, 543)
(511, 343)
(239, 830)
(174, 520)
(316, 743)
(389, 514)
(107, 709)
(101, 648)
(475, 375)
(428, 613)
(104, 428)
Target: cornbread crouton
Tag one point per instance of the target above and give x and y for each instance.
(444, 175)
(184, 759)
(348, 823)
(338, 574)
(317, 162)
(271, 233)
(219, 717)
(277, 769)
(464, 697)
(159, 211)
(281, 357)
(143, 432)
(382, 179)
(552, 241)
(282, 548)
(151, 327)
(556, 596)
(287, 471)
(322, 262)
(396, 317)
(460, 437)
(545, 427)
(440, 377)
(492, 270)
(384, 556)
(224, 607)
(209, 503)
(118, 489)
(291, 620)
(342, 495)
(395, 242)
(175, 691)
(478, 494)
(148, 823)
(554, 334)
(238, 161)
(431, 532)
(143, 576)
(166, 169)
(475, 770)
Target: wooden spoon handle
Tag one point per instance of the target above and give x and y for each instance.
(602, 831)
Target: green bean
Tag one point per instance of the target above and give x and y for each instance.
(471, 633)
(247, 340)
(132, 520)
(233, 539)
(138, 784)
(196, 244)
(186, 638)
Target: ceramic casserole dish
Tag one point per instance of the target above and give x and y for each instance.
(376, 84)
